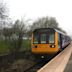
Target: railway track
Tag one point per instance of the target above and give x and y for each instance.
(35, 67)
(39, 64)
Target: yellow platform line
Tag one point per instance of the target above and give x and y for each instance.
(58, 63)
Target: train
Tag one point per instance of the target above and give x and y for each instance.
(48, 41)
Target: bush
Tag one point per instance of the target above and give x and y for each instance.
(12, 45)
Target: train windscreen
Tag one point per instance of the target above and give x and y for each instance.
(36, 38)
(51, 38)
(44, 37)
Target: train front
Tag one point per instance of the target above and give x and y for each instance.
(44, 41)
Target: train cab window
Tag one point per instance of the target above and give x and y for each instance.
(43, 38)
(36, 38)
(51, 38)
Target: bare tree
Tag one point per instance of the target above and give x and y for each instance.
(3, 10)
(7, 32)
(44, 22)
(19, 30)
(3, 16)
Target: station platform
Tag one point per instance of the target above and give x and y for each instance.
(68, 67)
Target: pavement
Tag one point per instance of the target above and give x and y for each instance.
(68, 67)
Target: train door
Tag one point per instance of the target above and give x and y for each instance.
(59, 41)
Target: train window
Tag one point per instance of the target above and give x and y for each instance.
(36, 38)
(51, 38)
(43, 38)
(63, 39)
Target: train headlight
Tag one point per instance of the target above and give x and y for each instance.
(35, 46)
(42, 56)
(52, 46)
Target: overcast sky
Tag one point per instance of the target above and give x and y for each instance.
(32, 9)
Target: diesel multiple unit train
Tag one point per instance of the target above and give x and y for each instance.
(48, 41)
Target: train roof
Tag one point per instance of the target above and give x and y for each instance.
(60, 32)
(49, 29)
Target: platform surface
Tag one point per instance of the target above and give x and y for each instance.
(68, 67)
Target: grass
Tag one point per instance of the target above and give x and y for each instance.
(5, 46)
